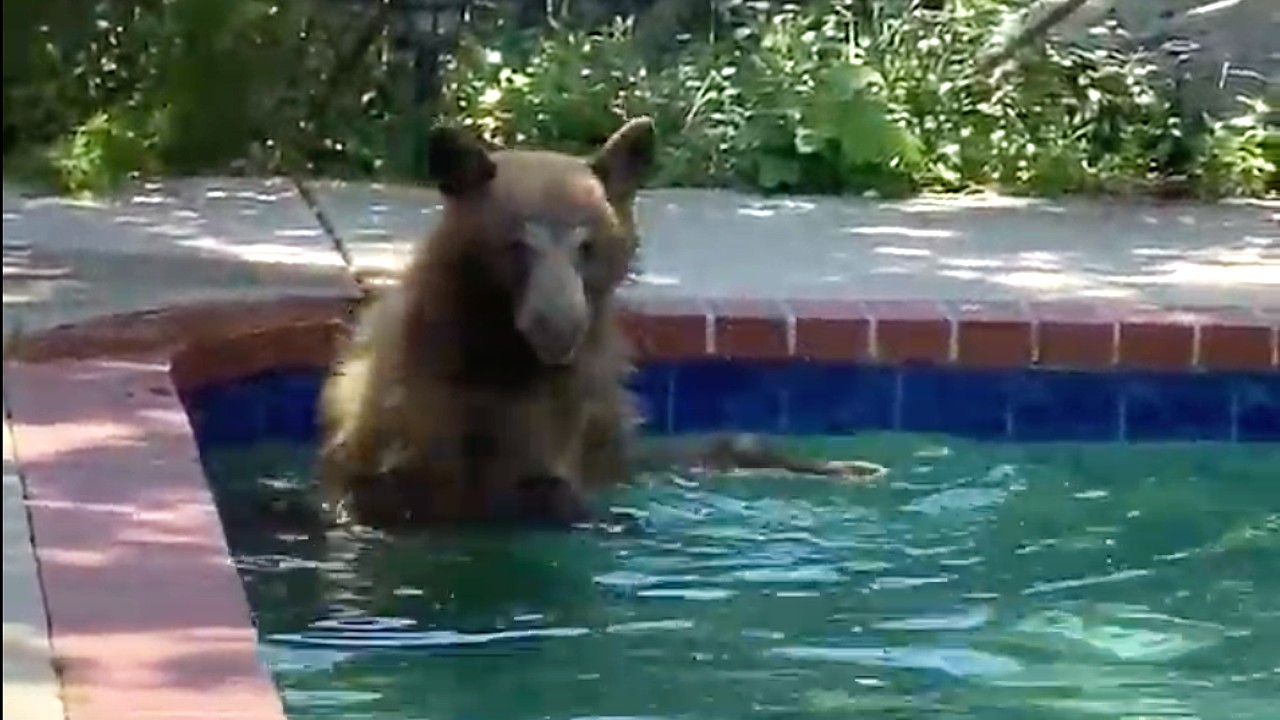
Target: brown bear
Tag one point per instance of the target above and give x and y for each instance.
(489, 385)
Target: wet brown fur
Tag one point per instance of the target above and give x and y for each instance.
(438, 409)
(441, 410)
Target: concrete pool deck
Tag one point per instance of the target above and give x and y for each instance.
(121, 284)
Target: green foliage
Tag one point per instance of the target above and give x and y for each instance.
(1242, 154)
(569, 93)
(831, 96)
(834, 98)
(96, 155)
(102, 91)
(1065, 119)
(819, 118)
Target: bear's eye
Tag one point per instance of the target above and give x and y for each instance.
(517, 253)
(586, 251)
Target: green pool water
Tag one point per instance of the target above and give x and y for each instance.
(977, 581)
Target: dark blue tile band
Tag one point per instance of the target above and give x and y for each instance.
(1066, 406)
(811, 398)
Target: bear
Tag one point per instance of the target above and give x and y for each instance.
(489, 385)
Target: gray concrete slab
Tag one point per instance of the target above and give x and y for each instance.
(968, 248)
(197, 239)
(379, 224)
(959, 249)
(161, 244)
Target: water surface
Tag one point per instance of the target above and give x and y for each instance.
(978, 581)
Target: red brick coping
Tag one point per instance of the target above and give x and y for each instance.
(148, 618)
(1064, 335)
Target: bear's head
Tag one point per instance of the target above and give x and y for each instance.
(542, 238)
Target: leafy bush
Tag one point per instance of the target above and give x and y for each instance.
(102, 91)
(96, 155)
(876, 96)
(826, 99)
(1241, 154)
(819, 117)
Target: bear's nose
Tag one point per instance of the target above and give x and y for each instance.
(553, 313)
(554, 339)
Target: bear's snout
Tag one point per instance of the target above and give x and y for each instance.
(553, 314)
(554, 340)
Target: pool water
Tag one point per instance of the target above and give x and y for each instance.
(977, 581)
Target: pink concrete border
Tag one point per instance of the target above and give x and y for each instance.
(147, 615)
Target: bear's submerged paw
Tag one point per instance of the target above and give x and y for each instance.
(396, 501)
(542, 501)
(736, 453)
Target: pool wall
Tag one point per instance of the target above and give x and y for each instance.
(146, 612)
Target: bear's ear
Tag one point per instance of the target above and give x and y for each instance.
(626, 158)
(457, 161)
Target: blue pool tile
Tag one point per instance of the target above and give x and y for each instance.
(839, 398)
(289, 405)
(970, 403)
(1176, 406)
(1257, 406)
(1060, 405)
(229, 414)
(651, 385)
(724, 395)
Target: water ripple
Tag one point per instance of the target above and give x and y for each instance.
(422, 639)
(897, 582)
(960, 662)
(957, 500)
(706, 593)
(1054, 586)
(968, 619)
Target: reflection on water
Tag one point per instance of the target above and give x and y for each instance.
(980, 581)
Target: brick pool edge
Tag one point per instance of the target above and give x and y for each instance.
(1073, 335)
(147, 615)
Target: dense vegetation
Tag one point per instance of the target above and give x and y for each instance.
(852, 96)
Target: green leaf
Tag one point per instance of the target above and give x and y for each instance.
(847, 81)
(866, 134)
(809, 141)
(774, 172)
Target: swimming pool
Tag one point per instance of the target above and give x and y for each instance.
(1043, 565)
(993, 575)
(981, 581)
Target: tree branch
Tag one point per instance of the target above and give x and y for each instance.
(1031, 32)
